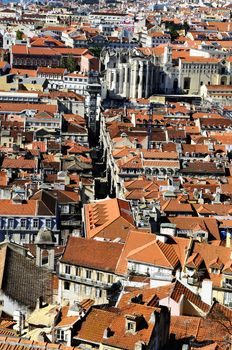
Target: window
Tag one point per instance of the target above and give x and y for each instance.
(35, 223)
(228, 282)
(77, 288)
(88, 291)
(187, 83)
(22, 236)
(66, 285)
(10, 223)
(98, 293)
(65, 209)
(1, 302)
(88, 274)
(23, 223)
(67, 269)
(78, 271)
(99, 276)
(131, 326)
(60, 334)
(213, 270)
(110, 278)
(228, 299)
(48, 223)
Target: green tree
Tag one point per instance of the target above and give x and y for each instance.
(96, 51)
(69, 63)
(174, 33)
(19, 35)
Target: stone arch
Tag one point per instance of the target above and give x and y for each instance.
(223, 80)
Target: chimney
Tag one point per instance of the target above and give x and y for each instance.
(161, 238)
(207, 292)
(19, 318)
(106, 333)
(228, 239)
(39, 303)
(139, 345)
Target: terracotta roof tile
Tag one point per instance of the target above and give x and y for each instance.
(179, 289)
(91, 253)
(19, 163)
(91, 329)
(155, 253)
(110, 218)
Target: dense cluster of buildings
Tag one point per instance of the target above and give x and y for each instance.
(116, 175)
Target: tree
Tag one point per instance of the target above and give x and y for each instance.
(96, 51)
(222, 316)
(69, 63)
(19, 35)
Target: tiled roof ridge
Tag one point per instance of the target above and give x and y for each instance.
(139, 249)
(162, 245)
(45, 205)
(107, 222)
(165, 205)
(193, 259)
(192, 297)
(216, 261)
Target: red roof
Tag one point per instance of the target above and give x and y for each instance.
(91, 253)
(38, 51)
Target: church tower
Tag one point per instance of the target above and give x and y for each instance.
(45, 241)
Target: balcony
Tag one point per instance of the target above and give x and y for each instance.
(71, 223)
(20, 228)
(94, 88)
(155, 276)
(83, 280)
(162, 277)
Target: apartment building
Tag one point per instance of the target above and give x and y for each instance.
(83, 274)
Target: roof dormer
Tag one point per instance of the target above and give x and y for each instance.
(132, 323)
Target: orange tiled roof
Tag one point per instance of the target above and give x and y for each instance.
(12, 342)
(92, 330)
(186, 327)
(108, 218)
(161, 164)
(9, 208)
(19, 163)
(94, 254)
(197, 59)
(179, 289)
(48, 51)
(210, 225)
(195, 260)
(21, 107)
(126, 340)
(155, 253)
(154, 154)
(51, 70)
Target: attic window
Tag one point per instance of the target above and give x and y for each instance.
(131, 326)
(60, 334)
(214, 270)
